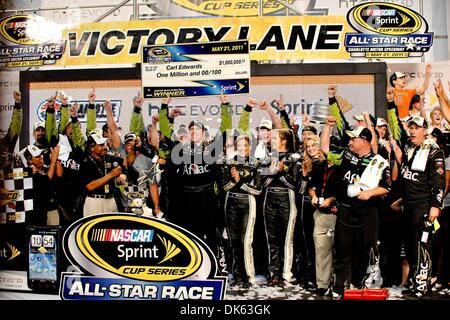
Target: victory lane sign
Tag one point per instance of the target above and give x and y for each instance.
(197, 69)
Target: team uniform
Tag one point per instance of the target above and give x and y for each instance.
(240, 214)
(280, 213)
(357, 223)
(423, 188)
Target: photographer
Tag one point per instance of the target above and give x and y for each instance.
(99, 171)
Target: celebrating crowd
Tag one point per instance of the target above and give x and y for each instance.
(322, 206)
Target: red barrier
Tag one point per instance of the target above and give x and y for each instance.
(366, 294)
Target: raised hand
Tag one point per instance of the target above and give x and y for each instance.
(92, 96)
(108, 105)
(332, 89)
(175, 112)
(155, 119)
(252, 102)
(167, 100)
(390, 94)
(63, 98)
(280, 102)
(439, 88)
(263, 105)
(51, 101)
(138, 100)
(428, 69)
(17, 96)
(330, 121)
(223, 98)
(73, 110)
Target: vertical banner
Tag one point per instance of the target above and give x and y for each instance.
(198, 69)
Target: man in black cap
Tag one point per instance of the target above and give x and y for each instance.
(362, 178)
(423, 181)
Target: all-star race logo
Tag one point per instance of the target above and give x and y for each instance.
(387, 31)
(27, 40)
(122, 256)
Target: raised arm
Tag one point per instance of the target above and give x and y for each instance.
(263, 105)
(91, 113)
(336, 112)
(225, 114)
(370, 126)
(137, 121)
(326, 133)
(244, 120)
(77, 137)
(443, 99)
(112, 125)
(51, 131)
(285, 122)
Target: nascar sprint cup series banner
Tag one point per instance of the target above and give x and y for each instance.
(197, 69)
(125, 257)
(387, 30)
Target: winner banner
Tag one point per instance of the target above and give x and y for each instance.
(198, 69)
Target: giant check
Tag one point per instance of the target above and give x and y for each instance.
(197, 69)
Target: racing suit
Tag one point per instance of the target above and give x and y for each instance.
(357, 224)
(421, 191)
(240, 213)
(280, 213)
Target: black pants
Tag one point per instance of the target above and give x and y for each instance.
(280, 214)
(414, 216)
(197, 212)
(240, 214)
(355, 234)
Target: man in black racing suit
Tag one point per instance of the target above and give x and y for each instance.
(356, 231)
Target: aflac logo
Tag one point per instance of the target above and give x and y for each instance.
(387, 31)
(123, 256)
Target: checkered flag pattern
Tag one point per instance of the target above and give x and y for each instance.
(142, 190)
(16, 195)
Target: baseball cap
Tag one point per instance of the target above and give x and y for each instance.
(395, 76)
(360, 132)
(419, 121)
(95, 138)
(359, 117)
(266, 123)
(96, 131)
(28, 153)
(197, 124)
(130, 136)
(381, 122)
(310, 128)
(39, 124)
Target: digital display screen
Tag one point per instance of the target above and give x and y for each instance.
(42, 258)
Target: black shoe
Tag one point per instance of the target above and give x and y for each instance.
(321, 291)
(275, 281)
(246, 285)
(417, 295)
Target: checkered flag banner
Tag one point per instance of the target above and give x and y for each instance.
(133, 191)
(16, 195)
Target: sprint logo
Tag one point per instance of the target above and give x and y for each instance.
(14, 252)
